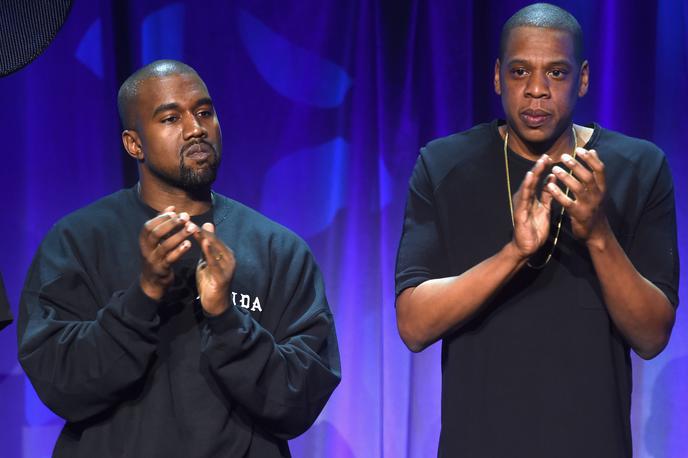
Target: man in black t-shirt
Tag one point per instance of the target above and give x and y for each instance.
(541, 252)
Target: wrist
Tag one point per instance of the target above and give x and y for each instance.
(151, 290)
(514, 255)
(214, 308)
(600, 238)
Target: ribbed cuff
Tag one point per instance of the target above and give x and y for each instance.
(136, 303)
(232, 318)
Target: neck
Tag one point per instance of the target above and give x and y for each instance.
(159, 196)
(564, 143)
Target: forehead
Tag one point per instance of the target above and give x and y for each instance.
(539, 43)
(183, 90)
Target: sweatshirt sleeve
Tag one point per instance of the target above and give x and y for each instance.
(82, 352)
(5, 313)
(282, 379)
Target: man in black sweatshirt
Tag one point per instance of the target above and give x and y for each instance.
(166, 320)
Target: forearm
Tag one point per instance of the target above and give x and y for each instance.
(80, 368)
(283, 384)
(430, 310)
(639, 310)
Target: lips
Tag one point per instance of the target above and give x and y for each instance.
(535, 118)
(198, 151)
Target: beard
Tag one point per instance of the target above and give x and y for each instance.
(193, 179)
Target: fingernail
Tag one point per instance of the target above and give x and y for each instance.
(581, 151)
(566, 158)
(552, 187)
(557, 169)
(186, 244)
(191, 227)
(184, 216)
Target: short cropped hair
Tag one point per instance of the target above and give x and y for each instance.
(128, 92)
(546, 16)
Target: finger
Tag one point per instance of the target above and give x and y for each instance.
(173, 256)
(215, 252)
(575, 186)
(207, 230)
(213, 259)
(530, 181)
(145, 235)
(546, 198)
(161, 217)
(559, 195)
(163, 231)
(592, 159)
(525, 196)
(158, 220)
(173, 241)
(540, 166)
(579, 171)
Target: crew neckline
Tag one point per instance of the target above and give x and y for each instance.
(151, 212)
(497, 122)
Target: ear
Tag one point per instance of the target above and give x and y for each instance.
(497, 81)
(584, 79)
(132, 144)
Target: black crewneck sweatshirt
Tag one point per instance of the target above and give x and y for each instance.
(137, 378)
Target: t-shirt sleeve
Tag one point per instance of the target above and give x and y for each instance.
(419, 257)
(654, 248)
(5, 313)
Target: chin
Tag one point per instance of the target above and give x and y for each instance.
(541, 134)
(530, 135)
(198, 180)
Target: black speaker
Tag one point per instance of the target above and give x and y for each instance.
(26, 28)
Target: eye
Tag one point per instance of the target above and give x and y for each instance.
(557, 73)
(169, 119)
(518, 72)
(205, 113)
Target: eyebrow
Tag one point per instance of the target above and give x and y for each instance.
(549, 64)
(164, 107)
(175, 106)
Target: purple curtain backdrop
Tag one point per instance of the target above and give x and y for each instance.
(324, 105)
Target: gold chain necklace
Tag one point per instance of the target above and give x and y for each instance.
(511, 204)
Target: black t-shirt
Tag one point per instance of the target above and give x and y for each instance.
(541, 371)
(5, 313)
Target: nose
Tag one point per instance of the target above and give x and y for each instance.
(193, 128)
(537, 86)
